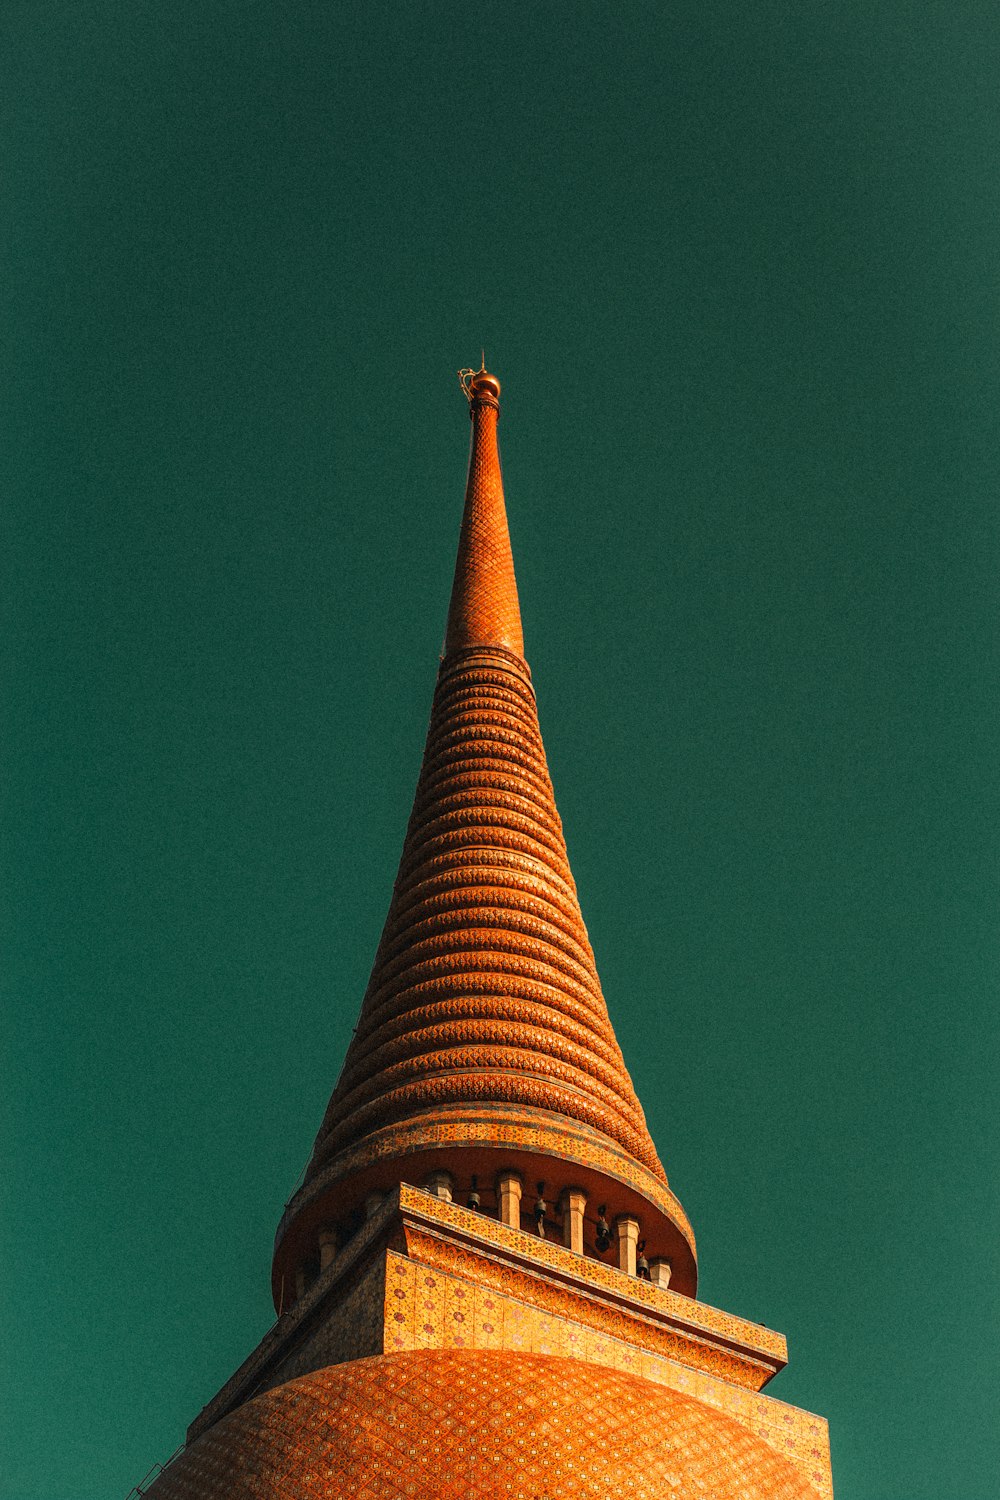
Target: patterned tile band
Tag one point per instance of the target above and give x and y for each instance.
(539, 1132)
(546, 1253)
(567, 1305)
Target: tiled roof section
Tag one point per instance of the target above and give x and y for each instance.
(484, 609)
(472, 1425)
(484, 988)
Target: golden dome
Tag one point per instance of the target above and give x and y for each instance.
(478, 1425)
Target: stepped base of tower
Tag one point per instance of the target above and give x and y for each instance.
(393, 1376)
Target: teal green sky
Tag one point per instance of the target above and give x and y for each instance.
(737, 267)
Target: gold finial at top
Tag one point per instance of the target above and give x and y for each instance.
(479, 385)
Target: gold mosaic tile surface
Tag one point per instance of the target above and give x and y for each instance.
(479, 1425)
(427, 1307)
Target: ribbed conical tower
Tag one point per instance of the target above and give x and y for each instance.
(484, 1284)
(484, 1046)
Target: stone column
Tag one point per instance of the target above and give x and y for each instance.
(300, 1283)
(441, 1184)
(627, 1235)
(573, 1202)
(327, 1245)
(509, 1188)
(373, 1202)
(659, 1272)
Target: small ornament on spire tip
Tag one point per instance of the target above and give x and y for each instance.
(480, 385)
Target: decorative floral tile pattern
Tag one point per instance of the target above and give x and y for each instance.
(547, 1253)
(562, 1303)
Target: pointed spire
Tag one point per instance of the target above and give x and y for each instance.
(484, 607)
(484, 1044)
